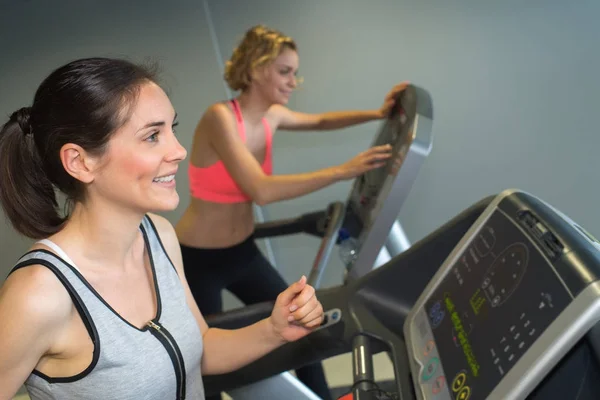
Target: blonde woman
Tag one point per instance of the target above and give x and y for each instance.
(231, 168)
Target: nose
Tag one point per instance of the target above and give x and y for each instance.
(293, 82)
(177, 152)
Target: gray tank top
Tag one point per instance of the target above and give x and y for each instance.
(158, 362)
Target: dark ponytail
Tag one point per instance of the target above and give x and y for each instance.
(83, 103)
(26, 192)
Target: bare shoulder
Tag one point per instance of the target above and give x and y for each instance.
(276, 113)
(163, 226)
(217, 114)
(35, 309)
(34, 295)
(219, 108)
(217, 122)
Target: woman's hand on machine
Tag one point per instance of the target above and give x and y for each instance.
(296, 312)
(390, 98)
(375, 157)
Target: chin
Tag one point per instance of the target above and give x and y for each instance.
(282, 100)
(166, 204)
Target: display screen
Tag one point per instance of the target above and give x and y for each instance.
(498, 298)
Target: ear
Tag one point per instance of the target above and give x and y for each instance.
(259, 74)
(78, 163)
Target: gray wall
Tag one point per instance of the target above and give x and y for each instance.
(514, 88)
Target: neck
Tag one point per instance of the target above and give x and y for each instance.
(103, 235)
(253, 105)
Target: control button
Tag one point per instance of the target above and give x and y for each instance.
(335, 315)
(500, 370)
(493, 352)
(435, 308)
(459, 381)
(428, 347)
(510, 358)
(437, 320)
(438, 385)
(496, 301)
(475, 258)
(521, 345)
(522, 316)
(497, 360)
(512, 328)
(506, 349)
(436, 314)
(430, 369)
(486, 282)
(531, 332)
(517, 336)
(548, 299)
(464, 393)
(527, 323)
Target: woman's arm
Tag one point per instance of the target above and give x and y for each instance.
(218, 123)
(34, 307)
(297, 121)
(228, 350)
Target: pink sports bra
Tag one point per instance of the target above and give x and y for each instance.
(214, 183)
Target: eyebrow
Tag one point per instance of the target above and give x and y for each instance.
(157, 123)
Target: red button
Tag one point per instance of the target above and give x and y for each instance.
(438, 385)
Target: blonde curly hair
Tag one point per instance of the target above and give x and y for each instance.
(259, 46)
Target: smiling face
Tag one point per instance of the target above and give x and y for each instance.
(138, 169)
(276, 80)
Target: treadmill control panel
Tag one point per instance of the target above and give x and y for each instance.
(493, 303)
(371, 189)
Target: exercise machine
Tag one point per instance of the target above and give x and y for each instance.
(500, 302)
(368, 218)
(511, 312)
(369, 214)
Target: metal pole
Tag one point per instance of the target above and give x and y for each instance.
(397, 241)
(382, 257)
